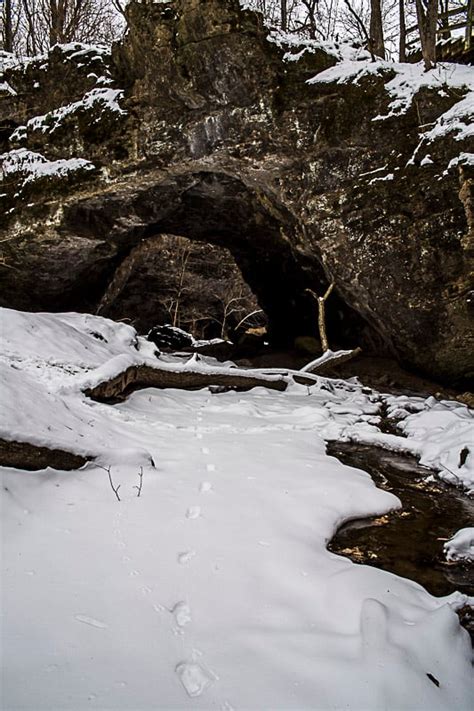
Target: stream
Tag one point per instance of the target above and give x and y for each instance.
(408, 542)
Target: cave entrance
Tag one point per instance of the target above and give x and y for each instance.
(192, 285)
(215, 211)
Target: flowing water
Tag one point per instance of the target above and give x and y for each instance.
(408, 542)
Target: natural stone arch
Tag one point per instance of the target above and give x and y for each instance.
(217, 208)
(200, 89)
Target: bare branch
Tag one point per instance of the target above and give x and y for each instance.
(115, 489)
(139, 487)
(322, 314)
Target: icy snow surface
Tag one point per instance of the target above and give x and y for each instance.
(213, 589)
(461, 545)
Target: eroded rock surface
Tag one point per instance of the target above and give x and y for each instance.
(199, 126)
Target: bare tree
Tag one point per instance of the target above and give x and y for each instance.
(328, 359)
(41, 24)
(182, 255)
(321, 301)
(311, 23)
(360, 24)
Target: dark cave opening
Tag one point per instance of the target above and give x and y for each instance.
(217, 212)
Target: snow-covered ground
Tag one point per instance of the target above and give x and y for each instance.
(213, 588)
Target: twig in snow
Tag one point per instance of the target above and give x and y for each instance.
(139, 487)
(457, 478)
(115, 489)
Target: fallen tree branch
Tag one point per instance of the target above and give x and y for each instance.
(329, 360)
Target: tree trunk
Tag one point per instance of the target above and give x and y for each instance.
(402, 50)
(58, 11)
(31, 39)
(427, 15)
(8, 27)
(284, 14)
(376, 29)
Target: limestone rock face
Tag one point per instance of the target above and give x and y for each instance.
(199, 125)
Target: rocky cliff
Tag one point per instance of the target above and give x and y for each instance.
(309, 163)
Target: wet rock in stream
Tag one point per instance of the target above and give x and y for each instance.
(408, 542)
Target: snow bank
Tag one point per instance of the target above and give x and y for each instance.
(439, 433)
(44, 359)
(442, 434)
(217, 575)
(67, 354)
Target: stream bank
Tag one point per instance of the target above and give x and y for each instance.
(408, 542)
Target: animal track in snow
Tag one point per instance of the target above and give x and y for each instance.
(193, 512)
(134, 573)
(211, 467)
(205, 450)
(205, 486)
(186, 557)
(194, 678)
(91, 621)
(51, 668)
(182, 614)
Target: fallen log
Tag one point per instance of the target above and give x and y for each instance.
(143, 376)
(23, 455)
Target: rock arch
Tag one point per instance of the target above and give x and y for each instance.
(203, 125)
(217, 209)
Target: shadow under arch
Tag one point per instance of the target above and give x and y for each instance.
(219, 209)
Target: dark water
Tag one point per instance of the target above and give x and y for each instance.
(408, 542)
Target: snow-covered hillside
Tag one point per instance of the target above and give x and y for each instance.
(208, 585)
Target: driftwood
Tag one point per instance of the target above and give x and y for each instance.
(22, 455)
(144, 376)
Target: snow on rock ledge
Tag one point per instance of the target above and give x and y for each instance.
(28, 167)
